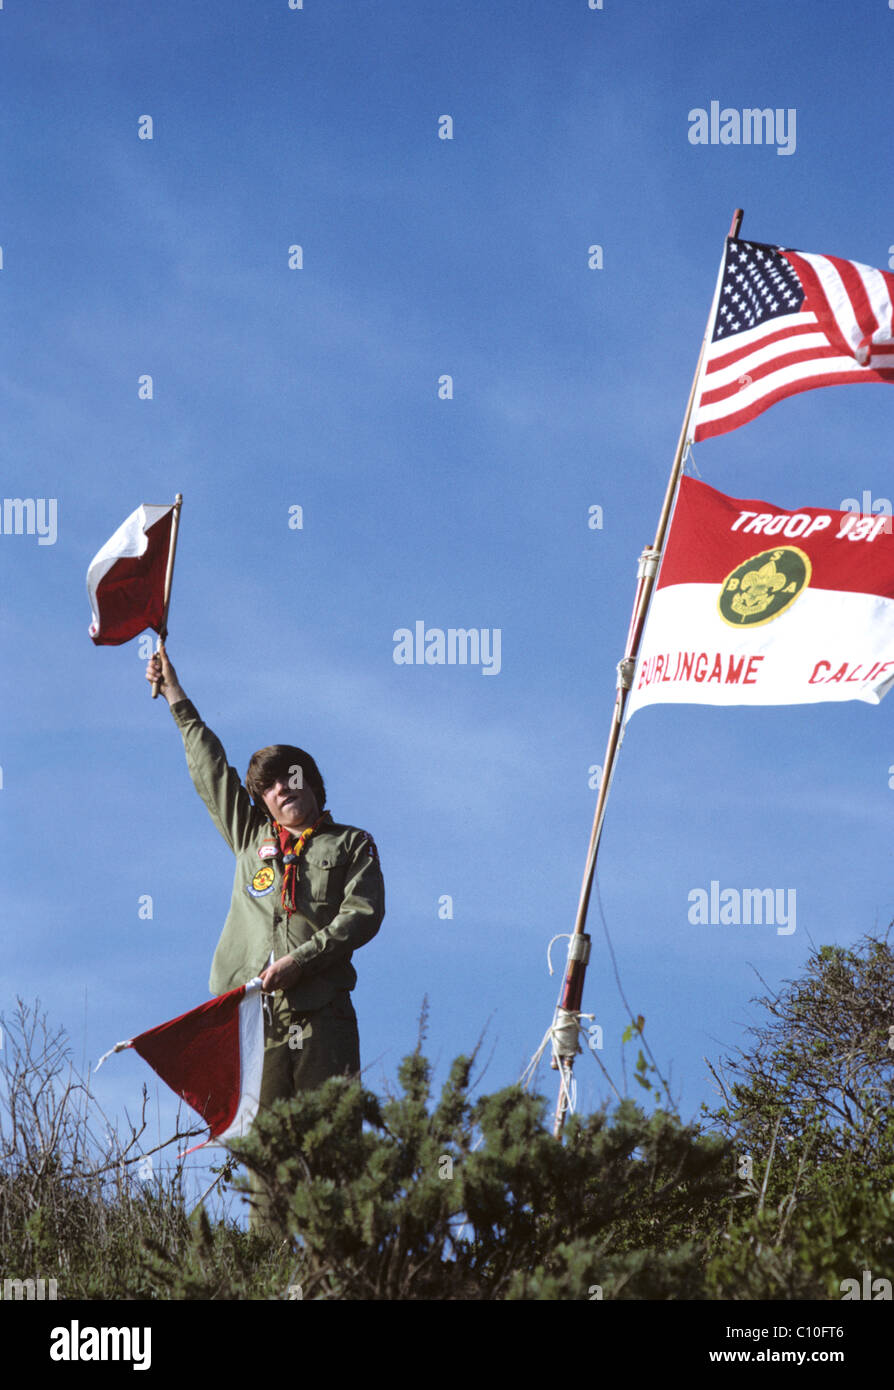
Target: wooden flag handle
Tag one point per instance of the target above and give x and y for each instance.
(169, 575)
(156, 685)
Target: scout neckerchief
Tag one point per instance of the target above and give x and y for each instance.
(291, 846)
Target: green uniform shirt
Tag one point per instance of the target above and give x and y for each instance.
(339, 897)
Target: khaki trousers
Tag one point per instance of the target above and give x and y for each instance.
(301, 1051)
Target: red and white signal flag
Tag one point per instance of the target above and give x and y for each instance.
(213, 1057)
(128, 582)
(788, 321)
(755, 605)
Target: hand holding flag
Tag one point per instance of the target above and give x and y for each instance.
(282, 974)
(160, 672)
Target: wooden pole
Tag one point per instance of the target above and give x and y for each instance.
(169, 575)
(579, 946)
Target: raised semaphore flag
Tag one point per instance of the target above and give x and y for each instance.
(129, 579)
(788, 321)
(755, 605)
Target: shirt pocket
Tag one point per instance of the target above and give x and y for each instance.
(323, 877)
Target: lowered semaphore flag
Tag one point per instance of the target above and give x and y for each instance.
(213, 1057)
(755, 605)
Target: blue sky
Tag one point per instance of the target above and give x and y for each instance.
(319, 388)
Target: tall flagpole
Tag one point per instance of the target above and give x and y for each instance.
(565, 1026)
(169, 575)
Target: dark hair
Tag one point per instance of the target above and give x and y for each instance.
(268, 765)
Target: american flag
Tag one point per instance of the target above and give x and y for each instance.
(786, 322)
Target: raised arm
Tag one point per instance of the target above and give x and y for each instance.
(218, 784)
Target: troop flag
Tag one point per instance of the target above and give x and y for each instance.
(213, 1057)
(741, 602)
(755, 605)
(126, 580)
(788, 321)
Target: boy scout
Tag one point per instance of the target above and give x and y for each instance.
(307, 893)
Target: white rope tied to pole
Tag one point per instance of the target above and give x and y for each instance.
(568, 1090)
(648, 563)
(561, 1033)
(527, 1075)
(558, 936)
(565, 1033)
(626, 669)
(119, 1047)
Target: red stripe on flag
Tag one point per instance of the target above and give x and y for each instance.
(718, 361)
(733, 419)
(864, 313)
(764, 369)
(815, 299)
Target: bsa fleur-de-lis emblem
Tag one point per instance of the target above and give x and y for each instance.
(763, 586)
(757, 590)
